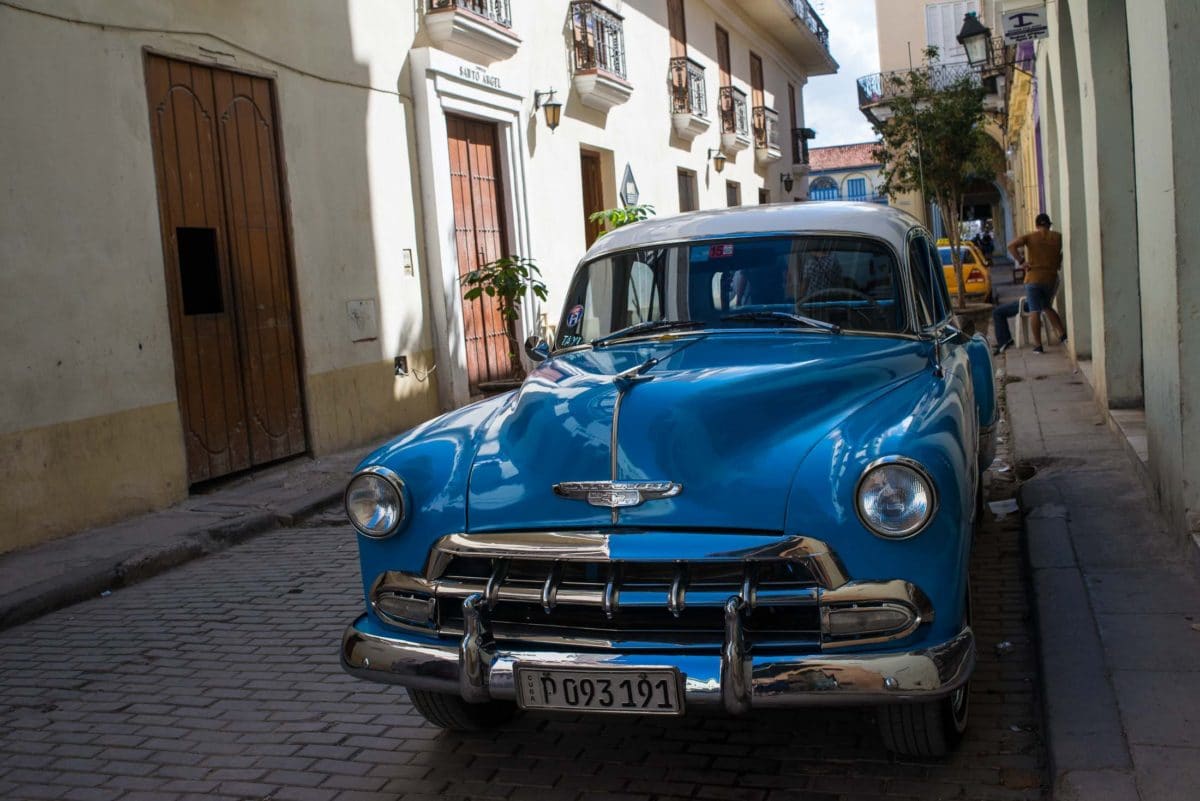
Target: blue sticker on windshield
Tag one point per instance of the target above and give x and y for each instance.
(574, 316)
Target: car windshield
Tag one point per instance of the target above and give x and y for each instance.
(967, 256)
(838, 282)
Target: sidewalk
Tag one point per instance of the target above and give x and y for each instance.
(55, 574)
(1117, 603)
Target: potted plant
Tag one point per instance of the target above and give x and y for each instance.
(509, 280)
(622, 215)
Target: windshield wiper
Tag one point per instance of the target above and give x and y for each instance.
(647, 326)
(777, 316)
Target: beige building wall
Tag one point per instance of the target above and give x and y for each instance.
(902, 31)
(88, 371)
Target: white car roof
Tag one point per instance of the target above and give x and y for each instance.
(871, 219)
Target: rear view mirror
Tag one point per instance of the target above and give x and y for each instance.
(536, 348)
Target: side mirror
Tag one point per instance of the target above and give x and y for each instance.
(536, 348)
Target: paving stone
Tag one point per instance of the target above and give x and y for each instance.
(171, 661)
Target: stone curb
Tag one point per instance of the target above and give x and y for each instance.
(1088, 757)
(130, 567)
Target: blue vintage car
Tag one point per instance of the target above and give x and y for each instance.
(745, 474)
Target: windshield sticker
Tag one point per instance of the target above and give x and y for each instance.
(722, 251)
(574, 316)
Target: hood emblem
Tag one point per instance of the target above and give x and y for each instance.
(617, 494)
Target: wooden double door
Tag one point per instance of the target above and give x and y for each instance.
(227, 266)
(481, 237)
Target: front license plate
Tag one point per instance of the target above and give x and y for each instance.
(630, 690)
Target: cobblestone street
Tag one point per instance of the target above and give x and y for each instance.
(220, 680)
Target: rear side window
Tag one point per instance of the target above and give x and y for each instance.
(941, 293)
(922, 273)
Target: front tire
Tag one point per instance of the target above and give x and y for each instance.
(451, 712)
(931, 729)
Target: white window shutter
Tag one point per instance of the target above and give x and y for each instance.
(943, 21)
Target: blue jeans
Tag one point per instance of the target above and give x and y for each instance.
(1039, 297)
(1000, 315)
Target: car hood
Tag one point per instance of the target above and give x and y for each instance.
(728, 417)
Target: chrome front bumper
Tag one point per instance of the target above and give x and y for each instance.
(476, 669)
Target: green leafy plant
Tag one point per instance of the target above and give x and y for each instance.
(934, 142)
(509, 280)
(622, 215)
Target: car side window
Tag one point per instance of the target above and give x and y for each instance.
(642, 296)
(918, 261)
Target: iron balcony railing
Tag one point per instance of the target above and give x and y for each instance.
(599, 38)
(734, 118)
(805, 14)
(881, 87)
(834, 193)
(766, 127)
(497, 11)
(800, 137)
(687, 87)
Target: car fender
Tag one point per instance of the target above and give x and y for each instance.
(930, 419)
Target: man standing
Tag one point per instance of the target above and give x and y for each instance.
(1042, 261)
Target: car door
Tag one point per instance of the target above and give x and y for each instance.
(951, 361)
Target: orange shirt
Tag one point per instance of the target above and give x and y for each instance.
(1043, 251)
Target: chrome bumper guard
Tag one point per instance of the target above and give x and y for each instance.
(478, 670)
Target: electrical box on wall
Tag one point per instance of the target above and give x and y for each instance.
(364, 322)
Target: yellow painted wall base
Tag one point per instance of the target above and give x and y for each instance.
(355, 405)
(62, 478)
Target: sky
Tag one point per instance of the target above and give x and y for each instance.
(831, 101)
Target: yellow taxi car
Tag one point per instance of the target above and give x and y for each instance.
(975, 271)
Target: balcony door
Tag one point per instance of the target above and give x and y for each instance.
(723, 61)
(677, 27)
(593, 193)
(481, 237)
(756, 81)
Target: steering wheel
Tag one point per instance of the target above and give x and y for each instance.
(837, 292)
(844, 293)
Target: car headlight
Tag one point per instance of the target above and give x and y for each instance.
(895, 497)
(376, 502)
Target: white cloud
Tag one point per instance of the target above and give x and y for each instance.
(831, 101)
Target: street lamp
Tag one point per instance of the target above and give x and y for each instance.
(787, 181)
(976, 39)
(552, 108)
(718, 159)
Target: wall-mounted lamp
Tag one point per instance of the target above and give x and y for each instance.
(976, 39)
(718, 159)
(553, 109)
(787, 181)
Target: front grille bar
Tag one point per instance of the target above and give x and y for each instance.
(677, 596)
(550, 588)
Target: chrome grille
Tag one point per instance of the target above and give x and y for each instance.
(583, 589)
(681, 603)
